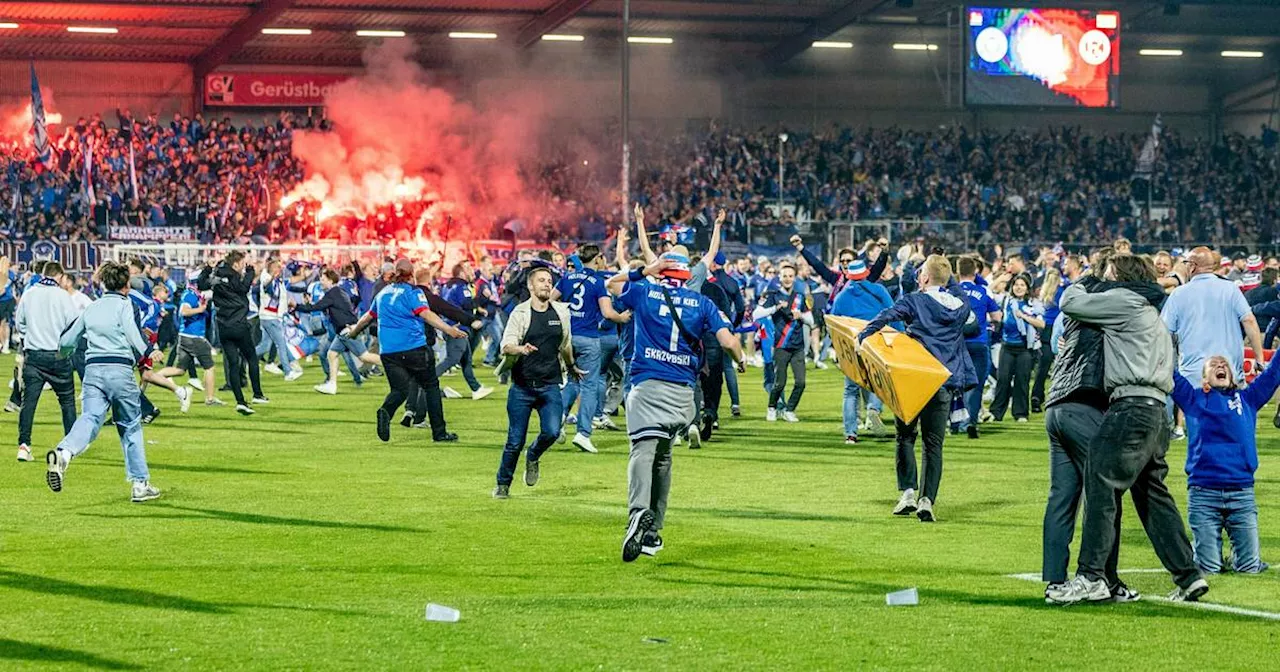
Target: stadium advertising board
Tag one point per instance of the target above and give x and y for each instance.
(1042, 57)
(251, 89)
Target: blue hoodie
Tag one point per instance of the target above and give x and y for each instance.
(862, 300)
(1222, 447)
(936, 319)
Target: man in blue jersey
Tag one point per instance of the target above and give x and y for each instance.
(589, 303)
(785, 305)
(976, 340)
(403, 315)
(193, 344)
(148, 311)
(460, 291)
(669, 320)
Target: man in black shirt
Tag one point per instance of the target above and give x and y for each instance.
(336, 305)
(537, 350)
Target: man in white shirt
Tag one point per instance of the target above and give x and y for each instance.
(44, 312)
(273, 308)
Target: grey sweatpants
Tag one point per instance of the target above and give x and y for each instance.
(656, 410)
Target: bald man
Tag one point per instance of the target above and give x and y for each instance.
(1201, 315)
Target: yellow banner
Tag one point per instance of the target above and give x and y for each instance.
(893, 365)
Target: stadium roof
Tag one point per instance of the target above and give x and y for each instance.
(212, 33)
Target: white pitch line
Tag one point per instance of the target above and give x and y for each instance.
(1207, 606)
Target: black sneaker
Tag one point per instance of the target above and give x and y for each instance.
(708, 426)
(1036, 406)
(1122, 593)
(502, 491)
(531, 472)
(973, 431)
(406, 420)
(447, 437)
(150, 417)
(1056, 586)
(384, 424)
(639, 525)
(736, 410)
(651, 545)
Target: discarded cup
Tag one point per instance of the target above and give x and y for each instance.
(441, 613)
(903, 598)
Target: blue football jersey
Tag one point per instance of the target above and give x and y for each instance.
(582, 291)
(661, 352)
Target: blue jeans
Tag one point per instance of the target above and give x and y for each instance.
(1208, 512)
(347, 348)
(586, 353)
(852, 393)
(458, 353)
(521, 402)
(273, 334)
(494, 326)
(111, 387)
(980, 353)
(731, 379)
(608, 352)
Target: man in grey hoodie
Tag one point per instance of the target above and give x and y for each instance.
(116, 346)
(1128, 452)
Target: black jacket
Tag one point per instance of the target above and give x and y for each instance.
(1078, 370)
(336, 304)
(230, 293)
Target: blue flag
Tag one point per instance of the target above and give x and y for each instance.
(37, 121)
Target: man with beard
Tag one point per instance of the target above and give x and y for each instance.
(1128, 451)
(537, 349)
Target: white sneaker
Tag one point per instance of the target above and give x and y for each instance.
(985, 416)
(477, 395)
(1179, 434)
(293, 375)
(184, 398)
(1191, 593)
(605, 422)
(10, 407)
(1079, 589)
(273, 368)
(820, 364)
(196, 384)
(563, 436)
(244, 410)
(330, 387)
(144, 492)
(584, 443)
(906, 504)
(875, 425)
(57, 461)
(924, 510)
(450, 393)
(694, 434)
(1022, 420)
(24, 453)
(790, 416)
(771, 415)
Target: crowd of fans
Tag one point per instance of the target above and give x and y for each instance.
(1061, 184)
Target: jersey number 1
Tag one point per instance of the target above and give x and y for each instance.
(675, 329)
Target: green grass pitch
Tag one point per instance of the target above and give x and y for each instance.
(296, 540)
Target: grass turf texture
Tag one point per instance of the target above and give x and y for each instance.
(295, 539)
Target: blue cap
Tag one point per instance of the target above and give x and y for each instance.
(719, 258)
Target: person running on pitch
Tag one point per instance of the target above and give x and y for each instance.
(149, 312)
(537, 349)
(669, 322)
(935, 316)
(336, 305)
(403, 315)
(116, 346)
(193, 346)
(46, 310)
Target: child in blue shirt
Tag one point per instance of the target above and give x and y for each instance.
(1222, 455)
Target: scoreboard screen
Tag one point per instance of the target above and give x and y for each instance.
(1042, 57)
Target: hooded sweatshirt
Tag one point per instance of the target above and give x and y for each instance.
(936, 318)
(1136, 345)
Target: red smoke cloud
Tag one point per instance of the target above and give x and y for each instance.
(398, 138)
